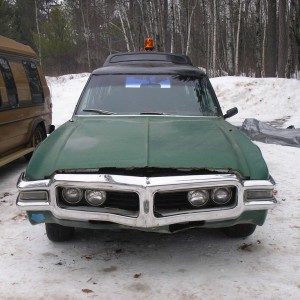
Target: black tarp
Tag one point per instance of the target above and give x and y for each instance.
(263, 132)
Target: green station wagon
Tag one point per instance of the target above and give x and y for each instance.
(147, 148)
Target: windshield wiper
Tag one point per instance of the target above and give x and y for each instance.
(153, 113)
(99, 111)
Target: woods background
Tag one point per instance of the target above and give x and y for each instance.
(236, 37)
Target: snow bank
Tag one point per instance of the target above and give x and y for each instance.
(65, 91)
(266, 99)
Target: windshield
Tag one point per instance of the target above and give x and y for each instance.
(148, 94)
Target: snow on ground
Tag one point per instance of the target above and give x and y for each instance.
(265, 99)
(196, 264)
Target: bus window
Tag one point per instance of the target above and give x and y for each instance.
(34, 82)
(9, 82)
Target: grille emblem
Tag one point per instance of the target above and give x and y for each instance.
(146, 207)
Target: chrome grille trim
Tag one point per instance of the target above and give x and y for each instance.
(146, 188)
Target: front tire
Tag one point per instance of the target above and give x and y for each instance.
(239, 230)
(59, 233)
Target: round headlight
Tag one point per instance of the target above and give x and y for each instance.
(94, 197)
(72, 195)
(198, 197)
(221, 196)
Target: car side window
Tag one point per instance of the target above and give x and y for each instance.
(9, 82)
(35, 85)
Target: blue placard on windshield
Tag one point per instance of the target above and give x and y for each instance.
(135, 82)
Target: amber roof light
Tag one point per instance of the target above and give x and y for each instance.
(149, 44)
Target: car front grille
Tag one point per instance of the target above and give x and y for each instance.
(128, 203)
(143, 202)
(172, 202)
(125, 201)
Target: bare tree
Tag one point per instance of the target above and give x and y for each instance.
(237, 47)
(258, 43)
(38, 32)
(86, 33)
(164, 22)
(282, 39)
(229, 43)
(295, 36)
(172, 27)
(271, 47)
(120, 10)
(214, 40)
(179, 24)
(238, 36)
(188, 42)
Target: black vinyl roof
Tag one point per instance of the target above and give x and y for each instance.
(149, 63)
(147, 56)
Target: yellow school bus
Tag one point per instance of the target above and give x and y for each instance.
(25, 102)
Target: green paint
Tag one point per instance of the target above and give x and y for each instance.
(147, 141)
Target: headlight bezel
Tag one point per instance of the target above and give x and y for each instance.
(91, 191)
(212, 200)
(84, 196)
(66, 189)
(190, 195)
(214, 196)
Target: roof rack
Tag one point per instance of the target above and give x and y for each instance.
(128, 57)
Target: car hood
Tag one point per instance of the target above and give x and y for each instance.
(147, 141)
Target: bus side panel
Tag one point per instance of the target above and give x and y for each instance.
(17, 123)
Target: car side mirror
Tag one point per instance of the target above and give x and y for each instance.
(231, 112)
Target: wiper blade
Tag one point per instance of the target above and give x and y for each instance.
(99, 111)
(153, 113)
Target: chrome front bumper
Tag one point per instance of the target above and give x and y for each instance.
(146, 189)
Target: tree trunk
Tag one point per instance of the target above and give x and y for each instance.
(271, 57)
(282, 42)
(179, 26)
(188, 42)
(125, 15)
(236, 70)
(258, 47)
(295, 35)
(165, 24)
(86, 36)
(173, 27)
(206, 37)
(38, 32)
(124, 31)
(156, 26)
(229, 46)
(214, 49)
